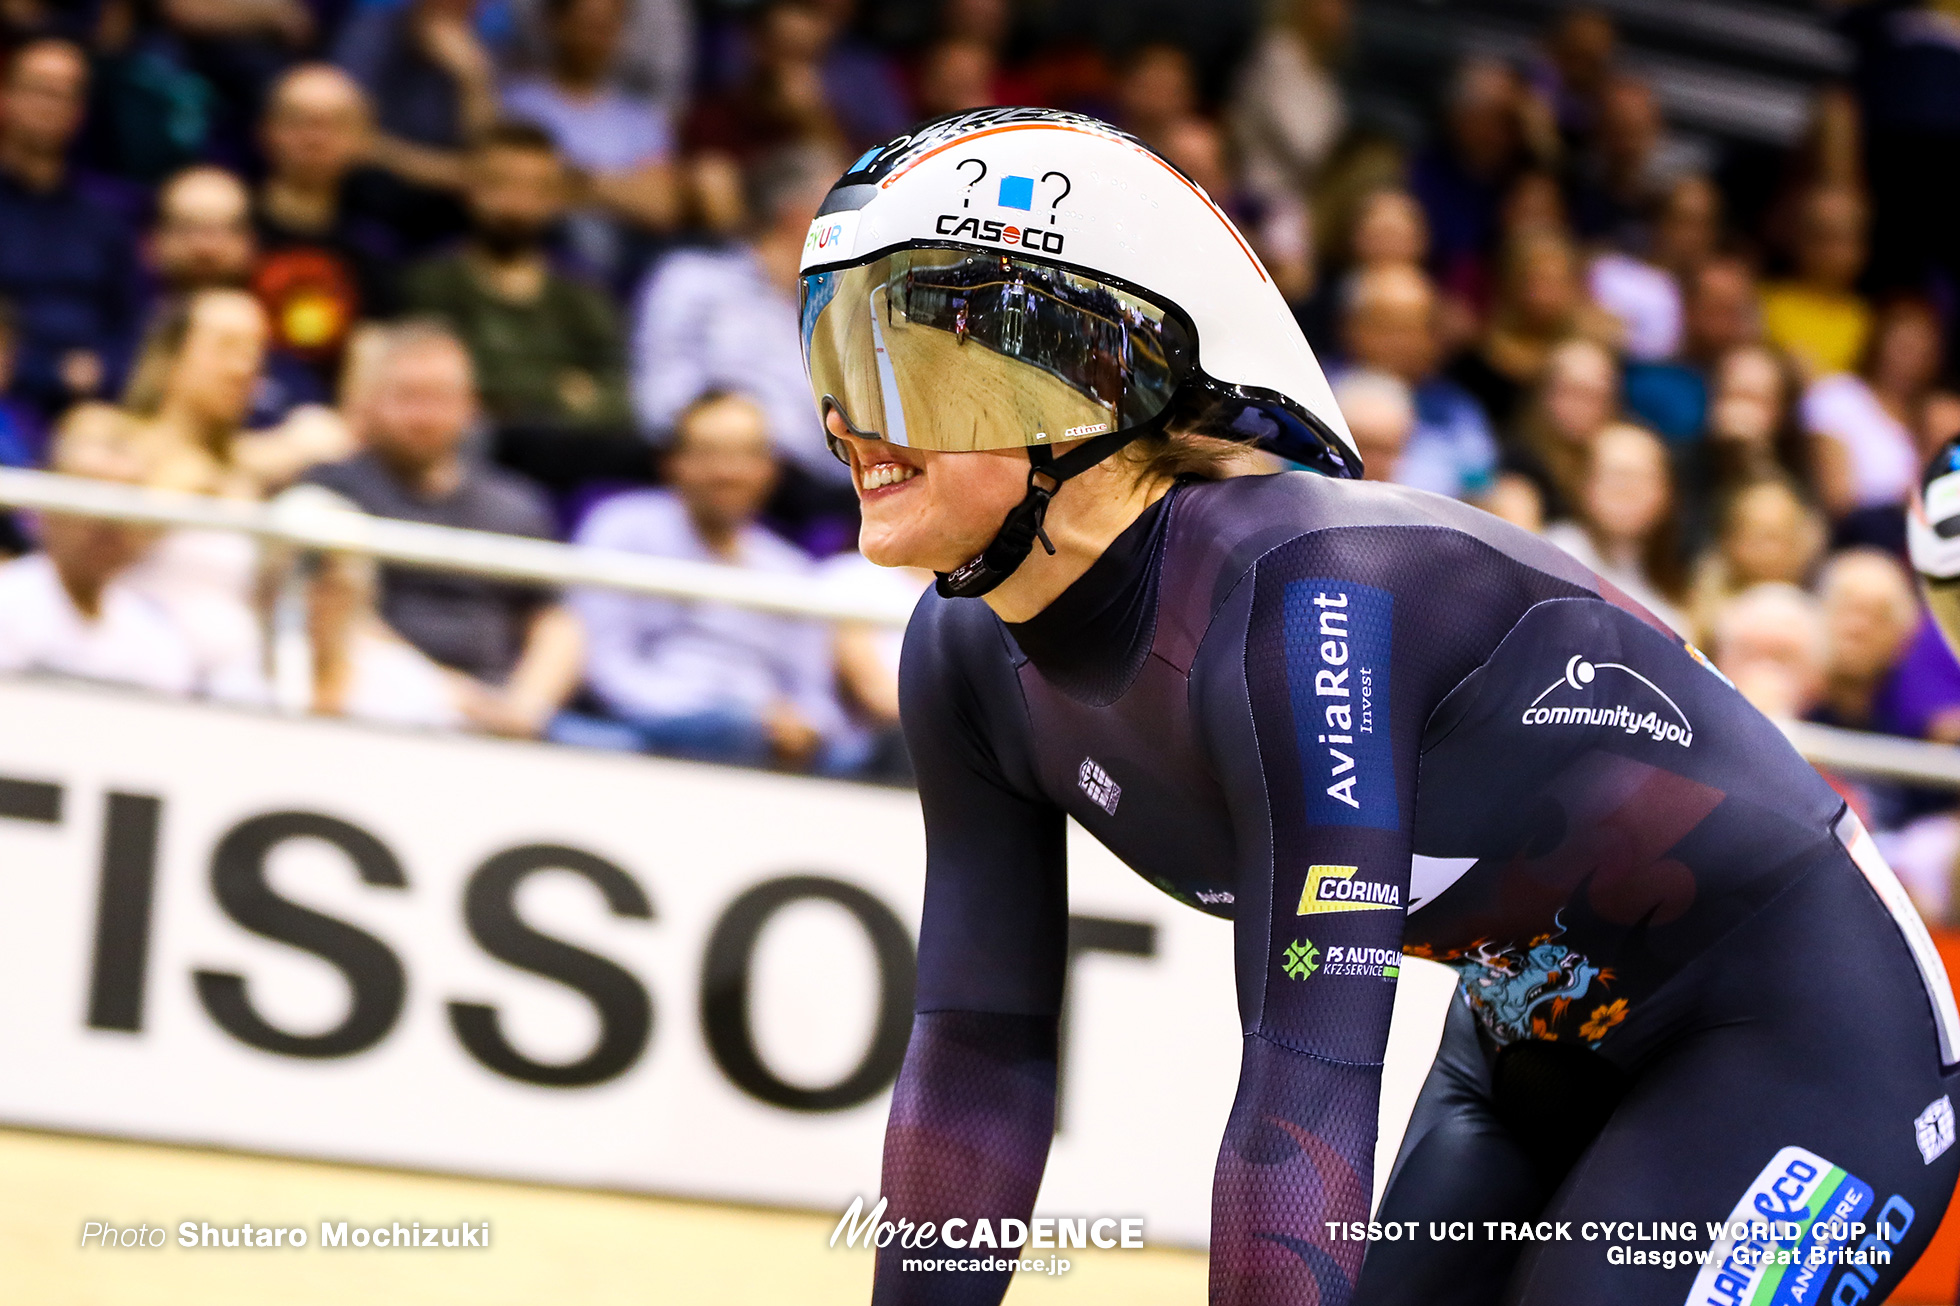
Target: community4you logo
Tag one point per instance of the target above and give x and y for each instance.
(1642, 707)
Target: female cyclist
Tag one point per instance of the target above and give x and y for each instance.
(1359, 721)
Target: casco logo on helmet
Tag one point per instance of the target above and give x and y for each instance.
(952, 224)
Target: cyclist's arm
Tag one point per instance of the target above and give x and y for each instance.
(1313, 727)
(974, 1108)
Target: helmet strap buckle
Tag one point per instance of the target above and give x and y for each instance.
(1027, 521)
(1040, 496)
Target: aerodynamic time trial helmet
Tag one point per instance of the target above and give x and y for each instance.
(1027, 277)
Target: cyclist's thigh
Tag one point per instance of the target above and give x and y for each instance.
(1805, 1081)
(1458, 1164)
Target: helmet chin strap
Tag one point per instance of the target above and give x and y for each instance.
(1024, 523)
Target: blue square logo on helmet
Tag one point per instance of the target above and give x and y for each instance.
(1017, 192)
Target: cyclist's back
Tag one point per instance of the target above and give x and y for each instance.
(1361, 720)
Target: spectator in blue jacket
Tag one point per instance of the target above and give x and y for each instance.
(67, 261)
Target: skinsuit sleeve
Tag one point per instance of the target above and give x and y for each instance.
(1312, 688)
(973, 1112)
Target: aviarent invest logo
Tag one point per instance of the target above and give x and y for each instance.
(1643, 708)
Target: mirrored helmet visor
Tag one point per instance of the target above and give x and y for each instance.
(1943, 602)
(956, 350)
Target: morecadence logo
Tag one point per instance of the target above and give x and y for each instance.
(861, 1228)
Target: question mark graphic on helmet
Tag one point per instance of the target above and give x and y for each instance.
(978, 177)
(1067, 186)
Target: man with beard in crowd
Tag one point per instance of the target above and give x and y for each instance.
(547, 348)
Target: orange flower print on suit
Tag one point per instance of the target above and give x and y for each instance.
(1604, 1018)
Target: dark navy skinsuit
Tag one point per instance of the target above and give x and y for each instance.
(1361, 721)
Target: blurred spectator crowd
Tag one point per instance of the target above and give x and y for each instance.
(529, 266)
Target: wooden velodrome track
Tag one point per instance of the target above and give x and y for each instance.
(548, 1244)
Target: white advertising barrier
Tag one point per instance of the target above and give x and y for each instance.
(507, 959)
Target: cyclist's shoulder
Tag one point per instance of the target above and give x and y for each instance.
(953, 648)
(1387, 527)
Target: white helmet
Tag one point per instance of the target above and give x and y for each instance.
(1933, 538)
(1026, 277)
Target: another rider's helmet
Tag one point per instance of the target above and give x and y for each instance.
(1933, 537)
(1019, 277)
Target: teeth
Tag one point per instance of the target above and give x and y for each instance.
(882, 474)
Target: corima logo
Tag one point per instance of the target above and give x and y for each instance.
(1662, 720)
(1334, 888)
(1000, 233)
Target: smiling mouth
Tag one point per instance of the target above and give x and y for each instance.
(884, 475)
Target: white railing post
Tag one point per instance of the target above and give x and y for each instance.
(310, 525)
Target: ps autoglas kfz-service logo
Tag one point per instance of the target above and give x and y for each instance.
(1586, 695)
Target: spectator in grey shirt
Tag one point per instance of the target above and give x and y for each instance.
(519, 646)
(704, 680)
